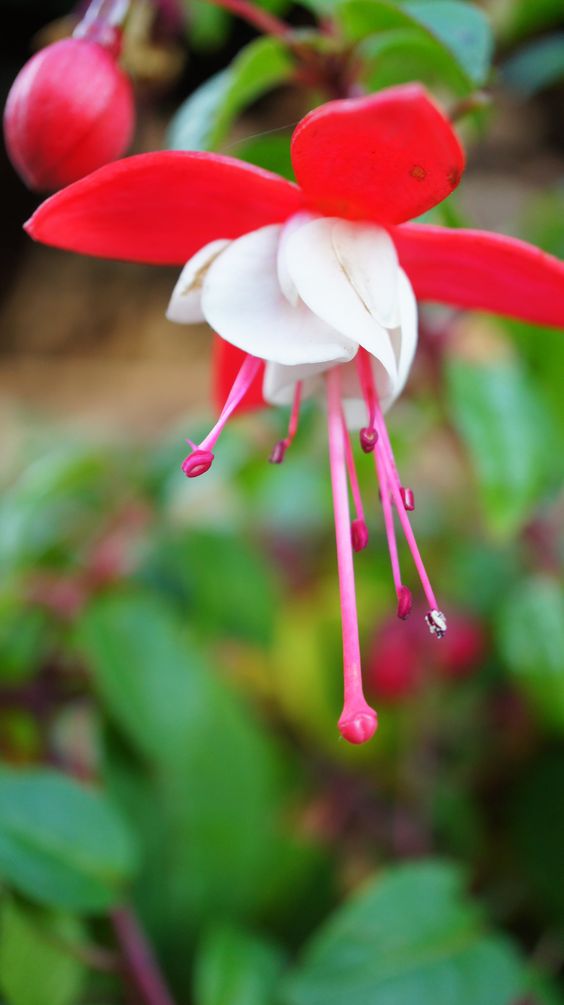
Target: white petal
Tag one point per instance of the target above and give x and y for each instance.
(185, 305)
(323, 285)
(287, 284)
(280, 381)
(369, 259)
(243, 302)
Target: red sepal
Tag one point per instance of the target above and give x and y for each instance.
(385, 158)
(488, 272)
(162, 207)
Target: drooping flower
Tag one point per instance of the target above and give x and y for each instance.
(312, 289)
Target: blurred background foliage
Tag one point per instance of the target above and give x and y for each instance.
(170, 651)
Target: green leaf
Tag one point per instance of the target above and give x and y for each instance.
(61, 843)
(216, 840)
(410, 936)
(398, 57)
(208, 26)
(36, 961)
(236, 968)
(525, 17)
(461, 29)
(537, 66)
(204, 120)
(530, 632)
(507, 431)
(269, 152)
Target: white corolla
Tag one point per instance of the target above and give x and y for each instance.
(304, 296)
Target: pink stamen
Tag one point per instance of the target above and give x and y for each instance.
(407, 498)
(280, 448)
(405, 602)
(201, 458)
(359, 530)
(368, 437)
(387, 468)
(358, 721)
(388, 520)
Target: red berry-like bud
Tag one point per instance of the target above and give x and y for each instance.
(394, 669)
(70, 110)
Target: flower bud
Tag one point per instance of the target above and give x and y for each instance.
(69, 111)
(394, 668)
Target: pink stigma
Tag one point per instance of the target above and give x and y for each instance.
(200, 461)
(407, 498)
(197, 463)
(359, 535)
(360, 728)
(368, 439)
(405, 603)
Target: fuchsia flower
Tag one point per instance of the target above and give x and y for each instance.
(313, 288)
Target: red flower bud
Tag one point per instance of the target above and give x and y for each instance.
(394, 669)
(463, 647)
(69, 111)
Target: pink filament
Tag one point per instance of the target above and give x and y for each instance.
(351, 469)
(358, 721)
(280, 448)
(387, 467)
(388, 520)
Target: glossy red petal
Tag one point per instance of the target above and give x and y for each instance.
(226, 363)
(386, 158)
(489, 272)
(162, 207)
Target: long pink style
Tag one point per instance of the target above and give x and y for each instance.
(358, 721)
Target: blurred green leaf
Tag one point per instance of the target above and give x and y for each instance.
(207, 26)
(24, 639)
(50, 503)
(525, 17)
(400, 56)
(60, 843)
(36, 961)
(507, 430)
(537, 66)
(269, 152)
(530, 628)
(206, 568)
(410, 936)
(204, 119)
(234, 967)
(215, 838)
(461, 29)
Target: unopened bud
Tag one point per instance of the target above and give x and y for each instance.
(70, 110)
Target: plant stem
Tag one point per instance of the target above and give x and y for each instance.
(260, 19)
(138, 958)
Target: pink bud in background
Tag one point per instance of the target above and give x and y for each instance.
(394, 669)
(70, 110)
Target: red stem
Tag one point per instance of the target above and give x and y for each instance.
(260, 19)
(138, 959)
